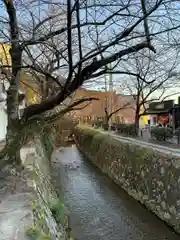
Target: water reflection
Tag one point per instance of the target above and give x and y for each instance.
(98, 208)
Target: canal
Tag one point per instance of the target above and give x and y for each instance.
(98, 208)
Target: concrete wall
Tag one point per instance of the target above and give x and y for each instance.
(151, 177)
(3, 122)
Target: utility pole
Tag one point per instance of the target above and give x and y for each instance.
(108, 87)
(111, 90)
(105, 89)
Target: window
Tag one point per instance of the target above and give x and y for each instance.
(154, 120)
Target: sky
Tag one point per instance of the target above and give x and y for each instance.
(107, 34)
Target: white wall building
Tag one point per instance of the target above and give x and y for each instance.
(3, 114)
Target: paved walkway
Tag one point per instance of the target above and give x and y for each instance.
(16, 194)
(156, 147)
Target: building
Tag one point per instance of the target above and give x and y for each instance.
(3, 114)
(165, 113)
(160, 112)
(26, 93)
(5, 57)
(31, 88)
(4, 85)
(95, 110)
(144, 120)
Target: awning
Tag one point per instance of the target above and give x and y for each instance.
(156, 112)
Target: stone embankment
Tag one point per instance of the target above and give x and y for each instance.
(148, 175)
(27, 197)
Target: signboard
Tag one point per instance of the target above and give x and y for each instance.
(160, 106)
(165, 106)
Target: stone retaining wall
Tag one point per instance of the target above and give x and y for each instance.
(30, 207)
(151, 177)
(37, 164)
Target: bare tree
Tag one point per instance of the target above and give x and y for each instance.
(113, 103)
(109, 115)
(148, 78)
(75, 57)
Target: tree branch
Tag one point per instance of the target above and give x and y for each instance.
(69, 36)
(121, 72)
(119, 109)
(65, 29)
(146, 28)
(124, 34)
(94, 66)
(78, 81)
(79, 35)
(67, 109)
(15, 51)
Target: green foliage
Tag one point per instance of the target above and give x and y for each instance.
(97, 123)
(103, 149)
(48, 141)
(126, 129)
(161, 133)
(177, 131)
(51, 134)
(85, 135)
(20, 133)
(58, 212)
(36, 230)
(35, 233)
(105, 126)
(57, 209)
(113, 127)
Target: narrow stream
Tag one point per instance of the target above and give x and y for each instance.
(98, 208)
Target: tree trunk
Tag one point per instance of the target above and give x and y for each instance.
(106, 119)
(12, 141)
(13, 120)
(137, 120)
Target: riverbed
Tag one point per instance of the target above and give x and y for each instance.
(98, 208)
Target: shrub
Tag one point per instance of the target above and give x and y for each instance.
(126, 129)
(97, 123)
(177, 131)
(105, 126)
(57, 209)
(161, 133)
(113, 127)
(86, 135)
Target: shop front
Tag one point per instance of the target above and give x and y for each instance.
(161, 113)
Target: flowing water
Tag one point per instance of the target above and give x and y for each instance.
(98, 208)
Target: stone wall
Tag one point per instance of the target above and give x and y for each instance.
(30, 206)
(151, 177)
(36, 163)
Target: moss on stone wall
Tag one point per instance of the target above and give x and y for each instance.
(50, 220)
(44, 225)
(150, 176)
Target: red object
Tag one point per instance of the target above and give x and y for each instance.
(163, 119)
